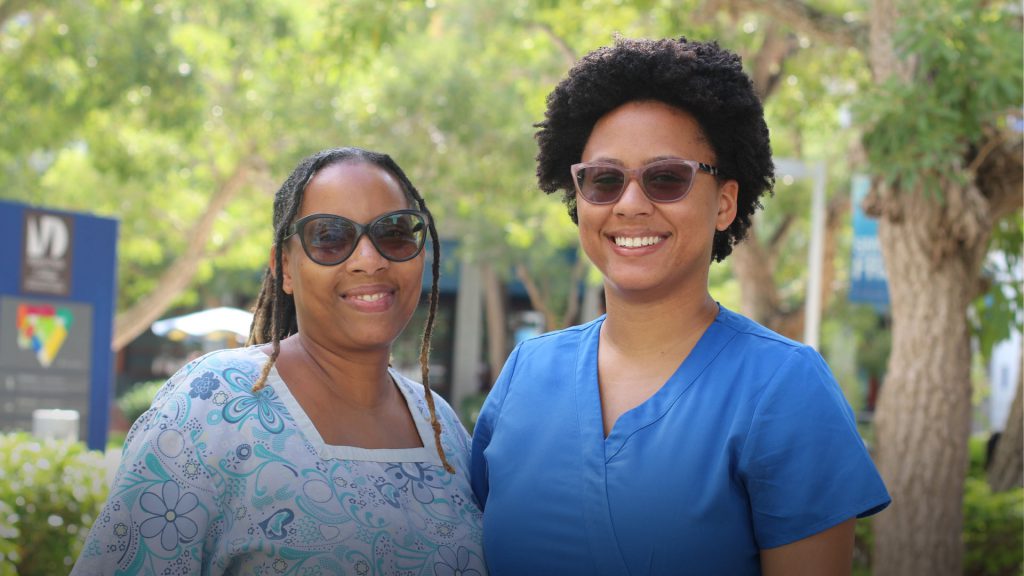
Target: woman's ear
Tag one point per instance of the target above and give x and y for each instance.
(727, 194)
(286, 278)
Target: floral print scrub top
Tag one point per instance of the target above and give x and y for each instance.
(217, 480)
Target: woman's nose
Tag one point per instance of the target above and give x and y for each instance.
(366, 258)
(633, 201)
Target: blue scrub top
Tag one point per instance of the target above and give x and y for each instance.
(749, 445)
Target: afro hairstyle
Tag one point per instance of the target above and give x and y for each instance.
(700, 78)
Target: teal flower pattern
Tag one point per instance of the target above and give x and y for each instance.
(268, 409)
(217, 480)
(454, 563)
(204, 386)
(419, 478)
(169, 518)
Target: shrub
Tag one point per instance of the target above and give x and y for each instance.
(56, 489)
(993, 530)
(8, 541)
(137, 399)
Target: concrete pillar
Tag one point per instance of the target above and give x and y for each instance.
(469, 335)
(815, 263)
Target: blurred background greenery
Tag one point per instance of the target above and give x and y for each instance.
(180, 118)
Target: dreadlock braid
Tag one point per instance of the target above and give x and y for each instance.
(428, 330)
(274, 317)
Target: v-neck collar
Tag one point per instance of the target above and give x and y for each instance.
(711, 343)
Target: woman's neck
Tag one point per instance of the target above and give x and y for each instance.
(646, 328)
(358, 379)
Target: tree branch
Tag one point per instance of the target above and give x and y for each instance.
(767, 69)
(536, 297)
(883, 58)
(134, 321)
(9, 8)
(568, 54)
(779, 235)
(1000, 175)
(759, 297)
(572, 307)
(808, 20)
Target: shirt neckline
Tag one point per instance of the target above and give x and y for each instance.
(426, 453)
(708, 347)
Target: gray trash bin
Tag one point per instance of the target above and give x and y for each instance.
(55, 424)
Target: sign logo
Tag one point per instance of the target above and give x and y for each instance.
(46, 262)
(43, 330)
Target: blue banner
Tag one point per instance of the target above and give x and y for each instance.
(867, 269)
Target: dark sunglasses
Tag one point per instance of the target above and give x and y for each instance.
(329, 240)
(662, 181)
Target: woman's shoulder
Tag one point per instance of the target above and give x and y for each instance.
(769, 360)
(556, 345)
(204, 384)
(247, 362)
(749, 341)
(248, 359)
(748, 329)
(418, 392)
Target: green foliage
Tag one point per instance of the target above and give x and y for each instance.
(143, 110)
(993, 523)
(137, 399)
(969, 73)
(993, 529)
(1001, 308)
(8, 541)
(977, 453)
(470, 410)
(993, 532)
(863, 544)
(56, 489)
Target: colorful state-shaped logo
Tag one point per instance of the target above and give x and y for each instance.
(43, 329)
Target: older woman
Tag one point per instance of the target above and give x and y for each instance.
(305, 453)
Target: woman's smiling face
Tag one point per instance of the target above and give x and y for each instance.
(365, 301)
(650, 248)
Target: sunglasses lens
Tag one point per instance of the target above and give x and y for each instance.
(601, 184)
(398, 237)
(329, 239)
(662, 181)
(667, 181)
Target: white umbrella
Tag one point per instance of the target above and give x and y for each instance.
(214, 324)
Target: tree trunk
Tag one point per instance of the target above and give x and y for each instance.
(753, 263)
(497, 333)
(924, 410)
(1006, 471)
(137, 319)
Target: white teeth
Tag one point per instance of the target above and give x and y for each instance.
(634, 242)
(369, 297)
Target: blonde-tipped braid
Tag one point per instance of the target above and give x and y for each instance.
(428, 329)
(274, 314)
(259, 329)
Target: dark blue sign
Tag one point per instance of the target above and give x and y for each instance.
(57, 302)
(867, 269)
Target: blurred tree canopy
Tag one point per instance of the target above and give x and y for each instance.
(180, 118)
